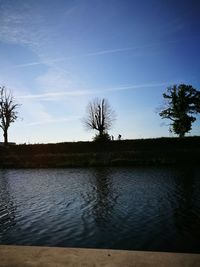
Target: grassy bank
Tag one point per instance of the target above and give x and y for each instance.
(114, 153)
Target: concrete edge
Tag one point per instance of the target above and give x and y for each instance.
(31, 256)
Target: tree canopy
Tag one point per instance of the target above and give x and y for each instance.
(182, 102)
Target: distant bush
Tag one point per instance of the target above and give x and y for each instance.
(105, 137)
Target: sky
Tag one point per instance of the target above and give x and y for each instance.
(57, 56)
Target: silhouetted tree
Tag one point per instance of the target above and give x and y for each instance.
(8, 111)
(181, 102)
(99, 117)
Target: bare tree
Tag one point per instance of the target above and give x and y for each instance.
(8, 111)
(99, 116)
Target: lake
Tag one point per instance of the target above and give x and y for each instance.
(151, 208)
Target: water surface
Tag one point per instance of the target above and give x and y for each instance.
(148, 208)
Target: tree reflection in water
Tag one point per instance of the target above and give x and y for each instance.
(187, 212)
(7, 208)
(105, 200)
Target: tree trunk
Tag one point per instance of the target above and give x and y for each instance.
(181, 135)
(101, 132)
(5, 134)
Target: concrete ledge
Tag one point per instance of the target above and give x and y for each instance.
(24, 256)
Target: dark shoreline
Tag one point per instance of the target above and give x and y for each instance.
(138, 152)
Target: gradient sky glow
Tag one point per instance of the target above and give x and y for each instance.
(56, 56)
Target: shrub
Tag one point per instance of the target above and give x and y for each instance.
(105, 137)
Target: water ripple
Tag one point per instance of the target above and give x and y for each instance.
(124, 208)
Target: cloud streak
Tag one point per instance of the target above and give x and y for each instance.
(53, 95)
(54, 120)
(104, 52)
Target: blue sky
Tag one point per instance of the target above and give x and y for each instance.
(56, 56)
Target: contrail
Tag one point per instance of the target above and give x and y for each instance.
(103, 52)
(91, 92)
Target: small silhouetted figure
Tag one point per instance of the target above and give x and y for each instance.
(112, 137)
(119, 137)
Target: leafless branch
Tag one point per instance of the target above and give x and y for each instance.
(99, 116)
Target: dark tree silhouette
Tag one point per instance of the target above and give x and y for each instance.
(100, 117)
(8, 111)
(181, 103)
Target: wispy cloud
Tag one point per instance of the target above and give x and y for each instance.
(138, 86)
(45, 62)
(17, 27)
(77, 93)
(55, 60)
(104, 52)
(54, 120)
(54, 95)
(39, 114)
(54, 80)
